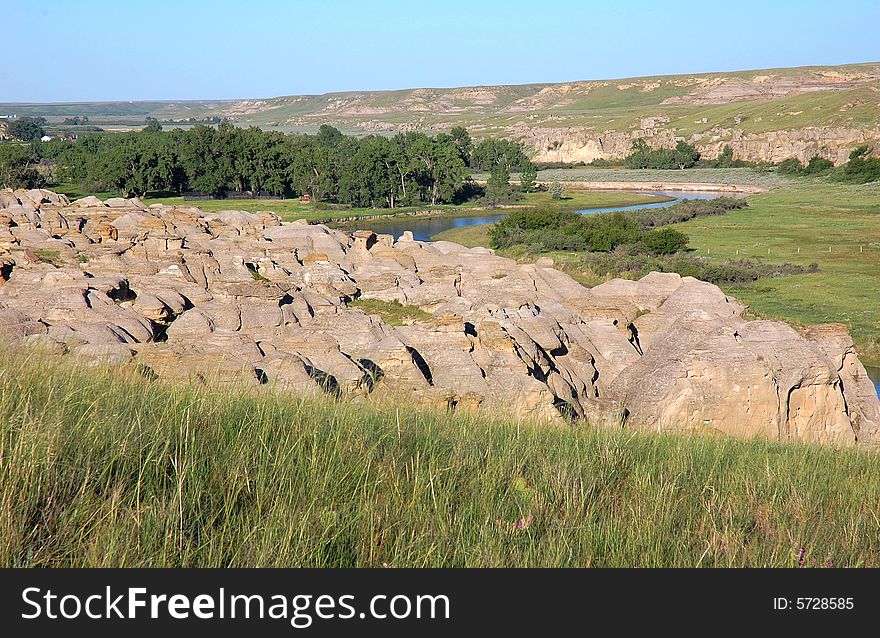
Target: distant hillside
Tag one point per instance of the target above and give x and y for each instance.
(763, 115)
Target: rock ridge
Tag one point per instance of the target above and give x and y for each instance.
(244, 298)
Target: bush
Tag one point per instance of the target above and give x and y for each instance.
(665, 241)
(818, 166)
(556, 190)
(686, 210)
(642, 156)
(626, 263)
(791, 166)
(548, 228)
(860, 169)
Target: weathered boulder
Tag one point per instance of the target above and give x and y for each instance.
(242, 298)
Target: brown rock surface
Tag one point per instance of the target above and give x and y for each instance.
(242, 298)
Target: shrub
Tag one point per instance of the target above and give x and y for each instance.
(818, 166)
(860, 169)
(682, 156)
(664, 241)
(556, 190)
(686, 210)
(791, 166)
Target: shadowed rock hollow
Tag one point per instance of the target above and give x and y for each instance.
(243, 298)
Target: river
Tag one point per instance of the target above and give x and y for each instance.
(423, 229)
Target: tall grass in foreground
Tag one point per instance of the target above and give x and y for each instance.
(103, 468)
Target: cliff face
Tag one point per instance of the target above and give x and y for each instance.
(581, 145)
(246, 299)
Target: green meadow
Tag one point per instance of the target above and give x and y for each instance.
(106, 468)
(810, 220)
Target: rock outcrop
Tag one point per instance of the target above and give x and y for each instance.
(242, 298)
(585, 144)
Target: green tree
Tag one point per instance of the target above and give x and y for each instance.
(18, 167)
(462, 140)
(818, 166)
(682, 156)
(556, 190)
(790, 166)
(27, 129)
(725, 158)
(528, 174)
(685, 155)
(498, 185)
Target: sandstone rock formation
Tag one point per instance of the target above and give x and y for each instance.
(242, 298)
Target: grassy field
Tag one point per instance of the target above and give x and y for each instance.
(74, 191)
(741, 176)
(809, 221)
(105, 468)
(580, 199)
(469, 236)
(836, 226)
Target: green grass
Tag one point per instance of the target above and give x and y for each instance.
(292, 209)
(739, 176)
(799, 224)
(469, 236)
(576, 199)
(392, 312)
(106, 468)
(75, 191)
(52, 257)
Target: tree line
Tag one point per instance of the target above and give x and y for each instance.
(682, 156)
(27, 129)
(372, 171)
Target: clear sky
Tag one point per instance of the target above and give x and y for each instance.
(64, 50)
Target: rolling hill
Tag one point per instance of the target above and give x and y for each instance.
(764, 115)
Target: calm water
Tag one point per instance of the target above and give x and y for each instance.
(424, 229)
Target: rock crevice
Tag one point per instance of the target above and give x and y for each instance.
(242, 298)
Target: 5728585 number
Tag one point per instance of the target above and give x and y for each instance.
(812, 603)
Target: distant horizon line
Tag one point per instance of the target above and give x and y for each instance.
(438, 88)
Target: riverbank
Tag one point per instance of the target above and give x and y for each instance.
(294, 209)
(573, 200)
(434, 227)
(685, 187)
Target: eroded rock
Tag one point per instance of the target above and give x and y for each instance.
(242, 298)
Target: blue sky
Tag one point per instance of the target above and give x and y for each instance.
(128, 50)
